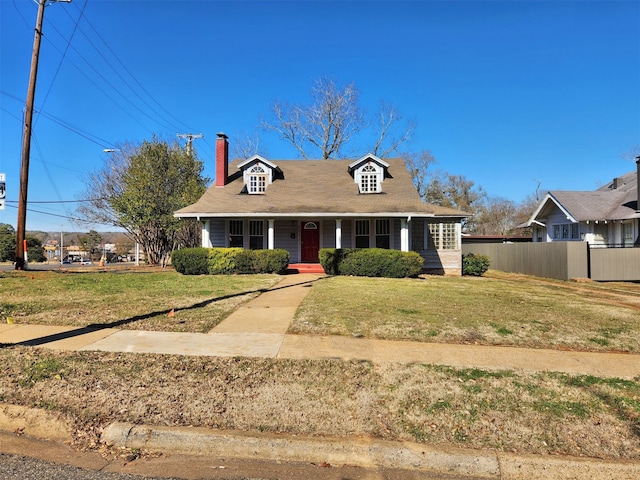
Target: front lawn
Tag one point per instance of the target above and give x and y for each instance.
(139, 299)
(499, 309)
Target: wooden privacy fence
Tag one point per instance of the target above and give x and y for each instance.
(561, 260)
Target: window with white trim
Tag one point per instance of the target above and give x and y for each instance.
(369, 179)
(383, 233)
(443, 236)
(566, 231)
(236, 233)
(627, 234)
(362, 233)
(257, 180)
(256, 234)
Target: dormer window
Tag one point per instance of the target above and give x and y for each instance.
(369, 182)
(258, 173)
(369, 173)
(257, 179)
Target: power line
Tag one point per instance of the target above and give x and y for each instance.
(124, 67)
(64, 54)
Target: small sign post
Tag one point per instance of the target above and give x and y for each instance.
(3, 190)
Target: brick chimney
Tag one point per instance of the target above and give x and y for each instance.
(222, 160)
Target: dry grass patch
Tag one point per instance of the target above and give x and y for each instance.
(527, 413)
(139, 300)
(500, 310)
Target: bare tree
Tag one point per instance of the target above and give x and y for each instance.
(390, 130)
(334, 121)
(245, 146)
(418, 165)
(497, 216)
(331, 120)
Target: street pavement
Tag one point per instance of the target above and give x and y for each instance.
(258, 329)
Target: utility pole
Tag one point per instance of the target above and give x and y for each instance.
(26, 138)
(190, 138)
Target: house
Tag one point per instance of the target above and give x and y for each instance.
(606, 217)
(305, 205)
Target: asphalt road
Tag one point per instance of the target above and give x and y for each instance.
(19, 467)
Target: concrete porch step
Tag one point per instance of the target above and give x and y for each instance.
(305, 268)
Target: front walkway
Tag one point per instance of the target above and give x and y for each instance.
(258, 329)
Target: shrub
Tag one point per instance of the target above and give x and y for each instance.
(371, 262)
(271, 261)
(222, 261)
(191, 261)
(330, 258)
(227, 261)
(475, 265)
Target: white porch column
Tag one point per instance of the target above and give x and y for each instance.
(338, 233)
(404, 235)
(206, 234)
(271, 235)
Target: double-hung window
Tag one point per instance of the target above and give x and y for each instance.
(382, 233)
(256, 234)
(362, 233)
(236, 233)
(566, 231)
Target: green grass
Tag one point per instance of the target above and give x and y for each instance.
(139, 299)
(496, 310)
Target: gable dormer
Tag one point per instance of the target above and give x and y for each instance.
(257, 174)
(369, 173)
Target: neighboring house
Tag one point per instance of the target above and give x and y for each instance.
(305, 205)
(607, 217)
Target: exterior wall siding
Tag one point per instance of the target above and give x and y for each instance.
(217, 232)
(283, 231)
(347, 233)
(328, 239)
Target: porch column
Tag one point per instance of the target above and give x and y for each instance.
(339, 233)
(206, 234)
(271, 235)
(404, 235)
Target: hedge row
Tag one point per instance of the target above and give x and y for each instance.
(228, 261)
(371, 262)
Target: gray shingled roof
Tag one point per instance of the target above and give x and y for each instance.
(316, 187)
(606, 203)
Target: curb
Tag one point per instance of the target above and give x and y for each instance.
(360, 452)
(367, 453)
(357, 452)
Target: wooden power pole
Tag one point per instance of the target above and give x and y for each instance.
(26, 139)
(190, 138)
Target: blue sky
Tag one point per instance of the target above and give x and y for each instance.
(507, 93)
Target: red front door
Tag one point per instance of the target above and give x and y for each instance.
(310, 242)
